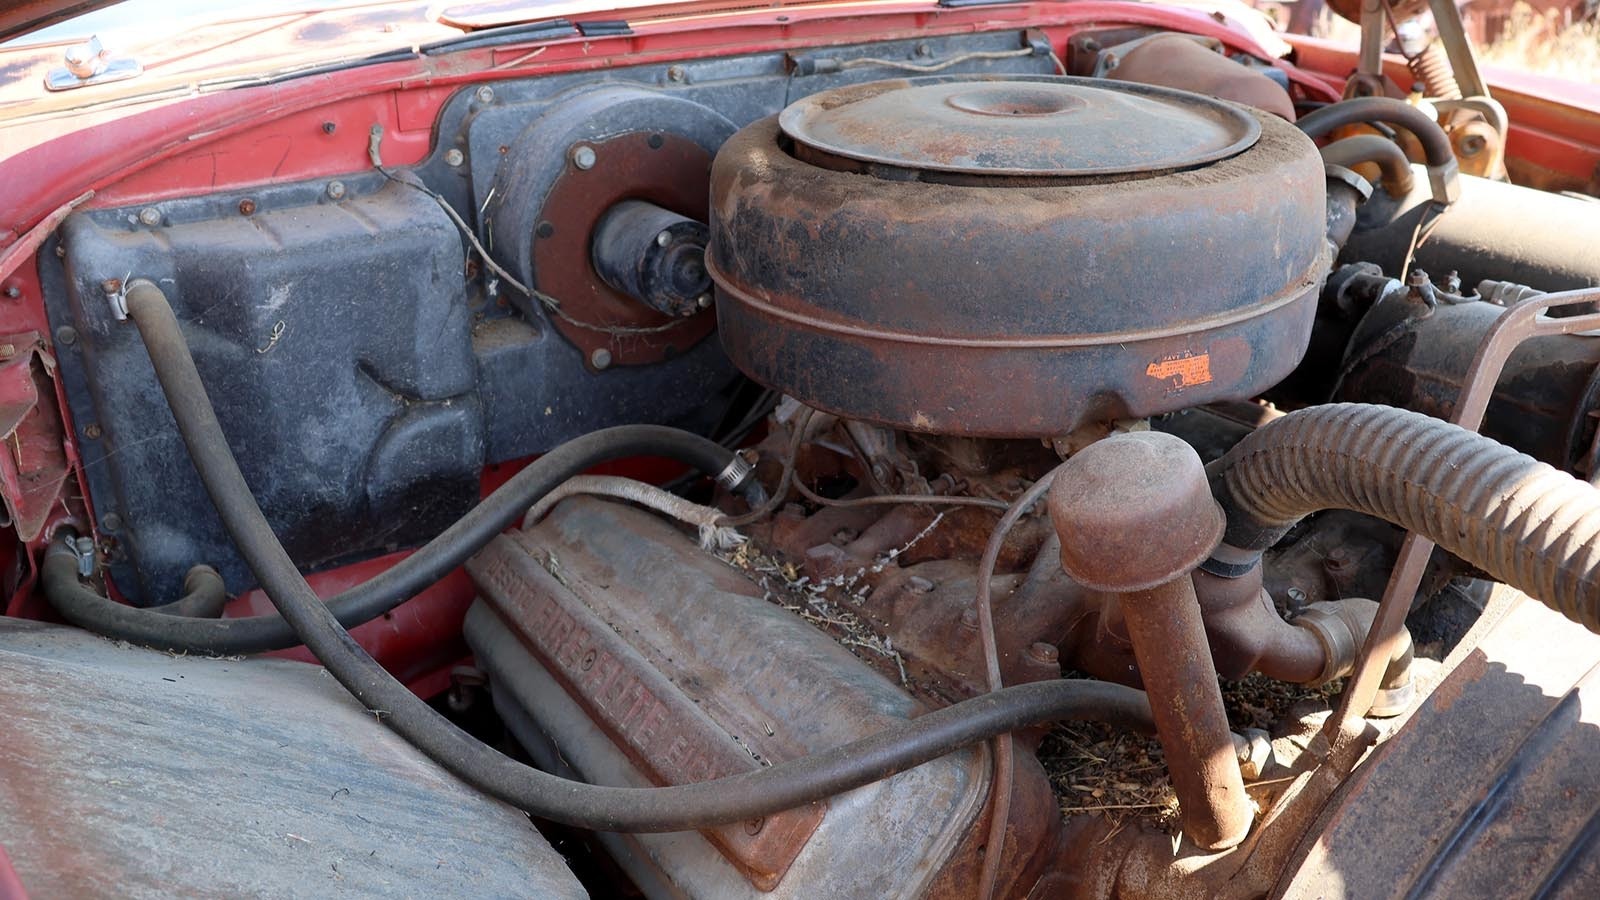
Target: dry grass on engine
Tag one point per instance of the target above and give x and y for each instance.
(1122, 777)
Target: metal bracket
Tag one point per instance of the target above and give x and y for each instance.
(90, 63)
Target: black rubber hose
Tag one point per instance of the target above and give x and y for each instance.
(736, 798)
(1523, 522)
(161, 629)
(1366, 110)
(1393, 167)
(203, 594)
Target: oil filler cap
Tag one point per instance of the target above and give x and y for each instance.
(1017, 126)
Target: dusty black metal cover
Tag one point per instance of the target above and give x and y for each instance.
(1014, 306)
(1022, 125)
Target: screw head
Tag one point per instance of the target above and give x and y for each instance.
(485, 94)
(583, 156)
(13, 291)
(92, 431)
(247, 207)
(111, 522)
(150, 216)
(600, 358)
(677, 73)
(66, 335)
(335, 190)
(329, 127)
(663, 239)
(704, 301)
(454, 157)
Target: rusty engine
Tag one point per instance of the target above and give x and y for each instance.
(1056, 543)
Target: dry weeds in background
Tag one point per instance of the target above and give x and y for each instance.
(1530, 42)
(1534, 43)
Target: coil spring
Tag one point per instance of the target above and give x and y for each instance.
(1431, 67)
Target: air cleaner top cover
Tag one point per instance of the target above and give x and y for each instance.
(1016, 256)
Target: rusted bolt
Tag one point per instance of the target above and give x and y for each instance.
(600, 358)
(150, 216)
(969, 618)
(247, 207)
(454, 157)
(66, 335)
(754, 826)
(1039, 651)
(111, 286)
(583, 156)
(91, 431)
(916, 584)
(1417, 278)
(1452, 282)
(111, 522)
(677, 73)
(485, 94)
(335, 190)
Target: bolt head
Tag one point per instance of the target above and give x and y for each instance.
(66, 335)
(583, 156)
(336, 190)
(969, 617)
(247, 207)
(150, 216)
(454, 157)
(111, 522)
(600, 358)
(485, 94)
(677, 73)
(13, 291)
(1043, 652)
(92, 431)
(703, 301)
(663, 239)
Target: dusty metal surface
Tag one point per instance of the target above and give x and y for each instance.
(735, 657)
(1016, 311)
(661, 729)
(1135, 516)
(1490, 788)
(1028, 126)
(132, 773)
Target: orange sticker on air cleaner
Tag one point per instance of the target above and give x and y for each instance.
(1182, 370)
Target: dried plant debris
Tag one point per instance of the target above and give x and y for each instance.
(830, 604)
(1121, 776)
(1100, 770)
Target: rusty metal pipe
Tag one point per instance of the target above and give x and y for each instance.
(1169, 642)
(1135, 518)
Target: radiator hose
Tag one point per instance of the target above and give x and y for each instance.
(678, 808)
(1521, 521)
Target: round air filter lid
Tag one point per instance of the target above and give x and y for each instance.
(1020, 126)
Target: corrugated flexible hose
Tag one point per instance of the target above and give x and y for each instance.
(1521, 521)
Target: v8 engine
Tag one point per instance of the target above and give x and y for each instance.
(1014, 453)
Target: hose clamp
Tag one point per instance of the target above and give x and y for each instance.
(734, 473)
